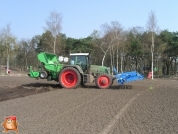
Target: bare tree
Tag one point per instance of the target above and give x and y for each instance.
(110, 40)
(54, 26)
(152, 25)
(113, 37)
(121, 47)
(25, 50)
(2, 49)
(97, 41)
(8, 41)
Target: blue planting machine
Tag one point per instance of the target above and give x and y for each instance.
(127, 76)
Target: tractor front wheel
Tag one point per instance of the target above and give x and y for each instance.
(69, 78)
(103, 81)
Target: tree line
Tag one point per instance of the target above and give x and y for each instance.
(112, 46)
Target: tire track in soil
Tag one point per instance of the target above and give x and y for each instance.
(154, 112)
(42, 113)
(72, 109)
(71, 91)
(118, 115)
(92, 117)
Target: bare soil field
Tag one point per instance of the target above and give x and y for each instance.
(149, 107)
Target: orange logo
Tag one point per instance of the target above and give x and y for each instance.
(10, 123)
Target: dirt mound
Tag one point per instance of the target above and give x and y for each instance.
(22, 91)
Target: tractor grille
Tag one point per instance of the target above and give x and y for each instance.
(84, 78)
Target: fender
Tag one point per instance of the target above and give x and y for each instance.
(74, 66)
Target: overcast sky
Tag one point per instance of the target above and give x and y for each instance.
(81, 17)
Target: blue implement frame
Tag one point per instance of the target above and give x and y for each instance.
(127, 76)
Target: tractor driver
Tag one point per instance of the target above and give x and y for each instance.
(82, 62)
(72, 61)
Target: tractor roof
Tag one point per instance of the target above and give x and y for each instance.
(79, 54)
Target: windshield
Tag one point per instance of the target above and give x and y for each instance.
(78, 59)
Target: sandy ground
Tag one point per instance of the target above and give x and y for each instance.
(42, 107)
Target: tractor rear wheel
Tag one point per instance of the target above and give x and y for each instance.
(103, 81)
(69, 78)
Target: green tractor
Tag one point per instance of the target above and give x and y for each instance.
(73, 72)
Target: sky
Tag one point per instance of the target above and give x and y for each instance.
(80, 18)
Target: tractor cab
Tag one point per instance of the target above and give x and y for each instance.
(80, 59)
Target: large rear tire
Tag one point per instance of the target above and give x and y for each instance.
(103, 81)
(69, 78)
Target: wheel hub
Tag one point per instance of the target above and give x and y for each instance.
(103, 81)
(71, 77)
